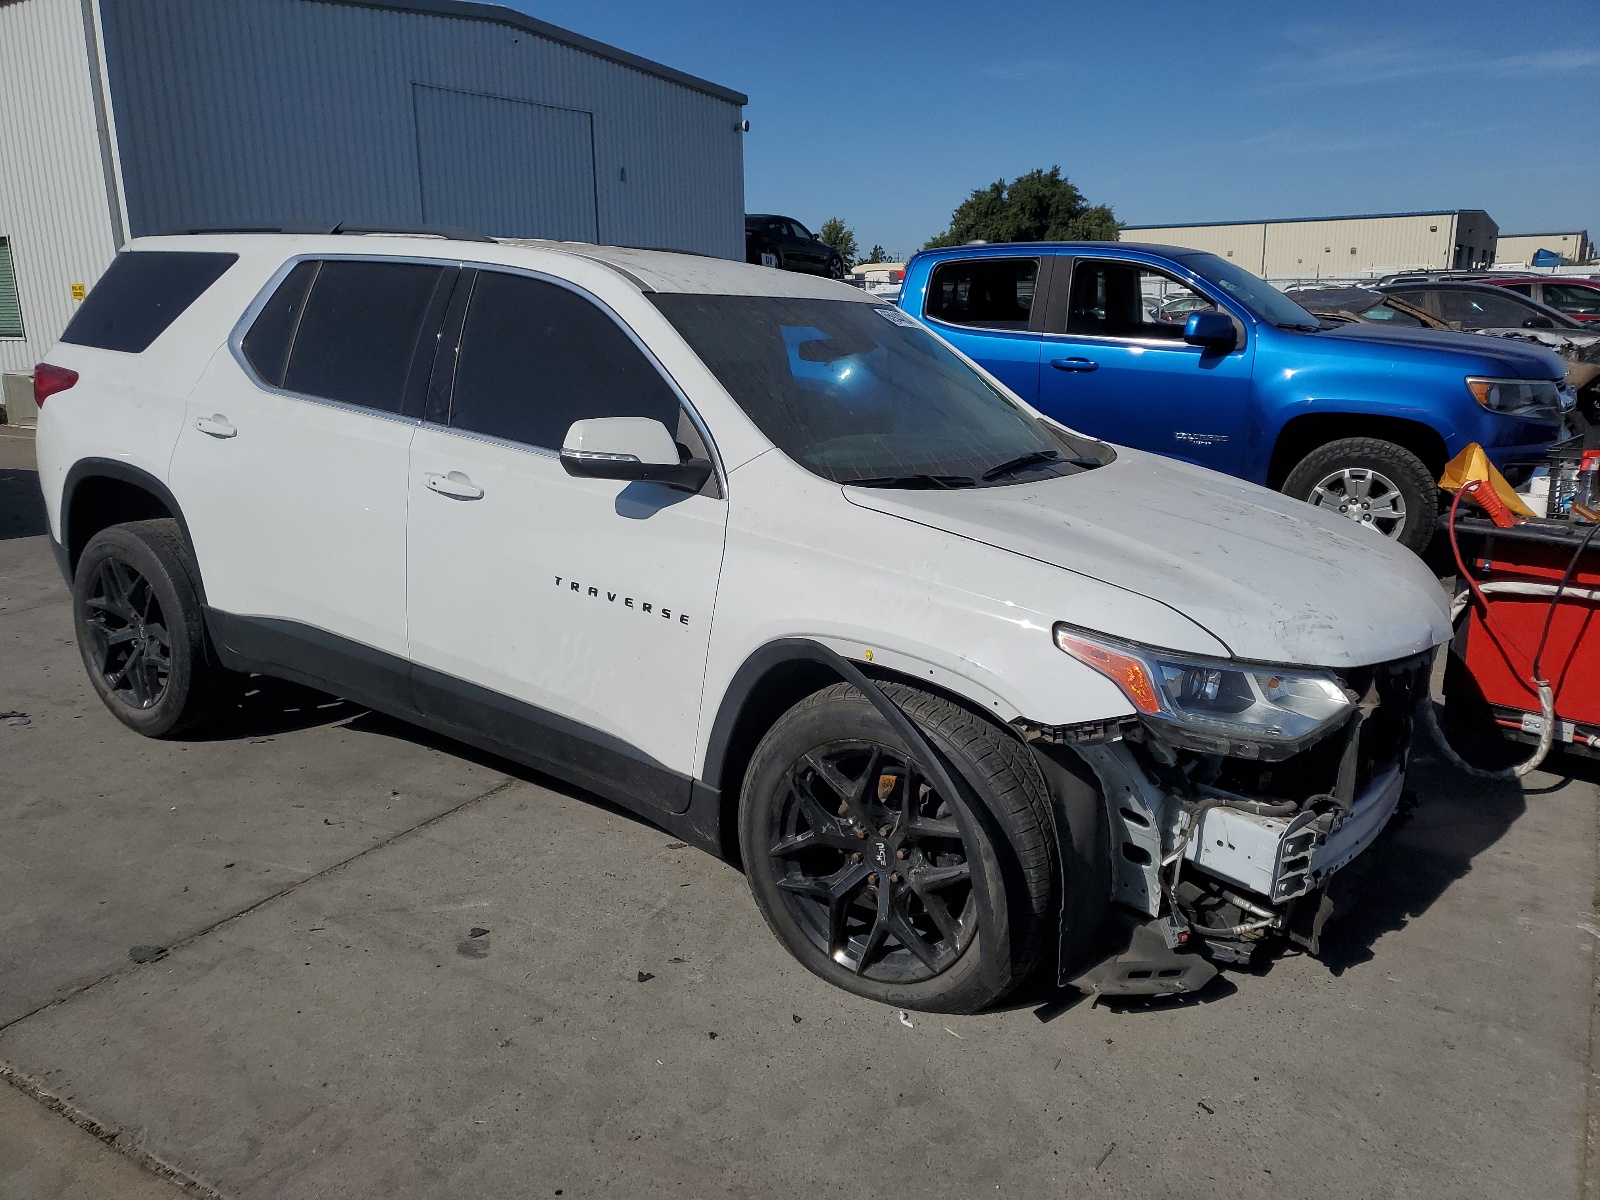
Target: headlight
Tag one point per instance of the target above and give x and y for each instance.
(1214, 706)
(1517, 397)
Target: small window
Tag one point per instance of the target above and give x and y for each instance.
(267, 344)
(1568, 298)
(10, 304)
(141, 294)
(536, 357)
(1526, 289)
(1121, 300)
(986, 293)
(358, 332)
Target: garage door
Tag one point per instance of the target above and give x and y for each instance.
(505, 168)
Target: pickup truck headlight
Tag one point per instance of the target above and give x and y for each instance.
(1518, 397)
(1217, 706)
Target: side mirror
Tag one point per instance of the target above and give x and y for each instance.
(1538, 322)
(1211, 330)
(631, 448)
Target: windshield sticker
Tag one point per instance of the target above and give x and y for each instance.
(895, 317)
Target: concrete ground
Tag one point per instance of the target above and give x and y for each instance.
(319, 1011)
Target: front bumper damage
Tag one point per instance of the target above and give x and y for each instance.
(1219, 860)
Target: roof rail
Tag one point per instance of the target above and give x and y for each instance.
(440, 231)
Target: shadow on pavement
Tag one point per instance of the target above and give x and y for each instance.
(21, 505)
(1457, 820)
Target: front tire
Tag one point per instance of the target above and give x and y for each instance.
(861, 868)
(836, 268)
(141, 634)
(1376, 484)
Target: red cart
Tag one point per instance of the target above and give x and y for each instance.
(1536, 604)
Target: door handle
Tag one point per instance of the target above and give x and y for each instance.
(455, 485)
(217, 425)
(1074, 364)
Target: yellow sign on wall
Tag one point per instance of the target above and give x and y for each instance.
(79, 291)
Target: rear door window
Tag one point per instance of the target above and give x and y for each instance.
(1124, 300)
(984, 293)
(535, 357)
(1579, 301)
(360, 331)
(141, 294)
(272, 333)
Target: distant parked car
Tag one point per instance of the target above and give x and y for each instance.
(1345, 304)
(784, 243)
(1352, 417)
(1577, 298)
(1479, 305)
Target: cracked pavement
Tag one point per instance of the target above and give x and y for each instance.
(318, 1017)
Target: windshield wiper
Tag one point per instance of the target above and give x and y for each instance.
(1012, 465)
(923, 480)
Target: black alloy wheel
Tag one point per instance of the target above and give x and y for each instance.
(872, 864)
(836, 268)
(129, 644)
(870, 876)
(141, 630)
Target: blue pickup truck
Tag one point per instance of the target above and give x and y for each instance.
(1183, 353)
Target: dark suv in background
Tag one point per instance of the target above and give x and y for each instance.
(784, 243)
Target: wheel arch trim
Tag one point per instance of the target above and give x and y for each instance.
(774, 656)
(86, 469)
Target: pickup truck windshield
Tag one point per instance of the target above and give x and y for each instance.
(1250, 290)
(862, 394)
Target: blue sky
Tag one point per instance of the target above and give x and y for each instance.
(887, 113)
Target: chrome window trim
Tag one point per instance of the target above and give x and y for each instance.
(241, 327)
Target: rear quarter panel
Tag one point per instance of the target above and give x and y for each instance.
(130, 407)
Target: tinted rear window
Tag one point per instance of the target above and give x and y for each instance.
(359, 331)
(992, 293)
(141, 294)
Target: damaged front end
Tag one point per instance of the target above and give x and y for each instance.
(1228, 839)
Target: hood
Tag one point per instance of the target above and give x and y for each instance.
(1508, 360)
(1273, 579)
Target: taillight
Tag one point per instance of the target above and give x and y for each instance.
(49, 379)
(897, 276)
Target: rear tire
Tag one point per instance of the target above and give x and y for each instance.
(141, 633)
(1368, 480)
(818, 873)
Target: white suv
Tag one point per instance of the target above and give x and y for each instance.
(759, 557)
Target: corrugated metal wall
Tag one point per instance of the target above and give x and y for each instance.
(267, 111)
(53, 200)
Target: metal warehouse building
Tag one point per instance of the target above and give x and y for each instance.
(1320, 247)
(1575, 246)
(131, 117)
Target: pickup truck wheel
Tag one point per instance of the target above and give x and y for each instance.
(140, 631)
(1376, 484)
(859, 865)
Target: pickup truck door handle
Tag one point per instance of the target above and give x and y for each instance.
(455, 485)
(1074, 364)
(217, 425)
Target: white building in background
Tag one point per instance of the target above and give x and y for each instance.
(1340, 247)
(1521, 247)
(127, 117)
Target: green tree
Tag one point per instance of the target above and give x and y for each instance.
(1040, 206)
(877, 255)
(842, 238)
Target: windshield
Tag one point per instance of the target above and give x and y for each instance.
(863, 394)
(1251, 290)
